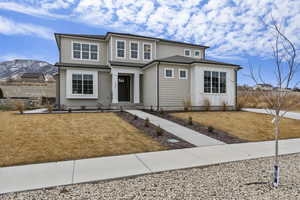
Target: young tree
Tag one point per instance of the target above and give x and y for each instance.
(281, 99)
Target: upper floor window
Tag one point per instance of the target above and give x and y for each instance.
(85, 51)
(187, 52)
(214, 82)
(147, 51)
(134, 50)
(120, 49)
(183, 73)
(169, 73)
(197, 53)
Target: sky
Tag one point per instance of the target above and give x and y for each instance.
(234, 29)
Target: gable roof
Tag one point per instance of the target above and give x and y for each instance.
(188, 60)
(104, 37)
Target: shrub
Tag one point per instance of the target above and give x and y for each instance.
(224, 106)
(206, 105)
(187, 104)
(147, 122)
(190, 121)
(70, 110)
(82, 107)
(20, 106)
(161, 111)
(50, 108)
(210, 129)
(135, 117)
(159, 131)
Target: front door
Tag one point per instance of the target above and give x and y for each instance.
(124, 88)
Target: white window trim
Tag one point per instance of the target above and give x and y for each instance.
(124, 49)
(165, 73)
(219, 83)
(138, 50)
(69, 85)
(89, 43)
(199, 53)
(144, 51)
(186, 73)
(187, 50)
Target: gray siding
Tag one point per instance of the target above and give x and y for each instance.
(173, 91)
(127, 52)
(168, 49)
(66, 51)
(104, 92)
(150, 87)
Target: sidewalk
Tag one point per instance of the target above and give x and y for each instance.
(29, 177)
(182, 132)
(291, 115)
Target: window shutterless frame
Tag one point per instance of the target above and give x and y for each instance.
(187, 50)
(185, 72)
(137, 51)
(90, 52)
(215, 82)
(120, 57)
(146, 52)
(167, 71)
(197, 51)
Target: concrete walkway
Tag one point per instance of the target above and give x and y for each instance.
(29, 177)
(182, 132)
(291, 115)
(35, 111)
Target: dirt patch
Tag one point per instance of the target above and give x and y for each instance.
(216, 134)
(151, 131)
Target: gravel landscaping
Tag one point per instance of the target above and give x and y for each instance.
(237, 180)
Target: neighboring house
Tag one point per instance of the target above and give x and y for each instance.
(32, 77)
(263, 86)
(139, 71)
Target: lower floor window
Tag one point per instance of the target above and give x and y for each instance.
(214, 82)
(82, 84)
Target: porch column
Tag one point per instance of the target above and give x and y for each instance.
(136, 90)
(114, 85)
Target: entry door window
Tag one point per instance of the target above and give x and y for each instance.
(124, 88)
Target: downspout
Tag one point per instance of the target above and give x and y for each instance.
(58, 77)
(235, 89)
(157, 89)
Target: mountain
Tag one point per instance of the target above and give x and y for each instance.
(15, 68)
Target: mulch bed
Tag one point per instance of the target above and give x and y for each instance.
(151, 130)
(216, 134)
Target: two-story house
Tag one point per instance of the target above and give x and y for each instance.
(132, 70)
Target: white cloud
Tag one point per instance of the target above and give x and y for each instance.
(230, 27)
(9, 27)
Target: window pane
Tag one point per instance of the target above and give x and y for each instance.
(134, 46)
(77, 84)
(76, 46)
(94, 56)
(94, 48)
(85, 47)
(215, 82)
(169, 73)
(120, 53)
(147, 51)
(207, 82)
(182, 74)
(87, 84)
(76, 54)
(134, 54)
(85, 55)
(197, 53)
(120, 45)
(222, 82)
(187, 52)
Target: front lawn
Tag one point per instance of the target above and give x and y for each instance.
(39, 138)
(244, 125)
